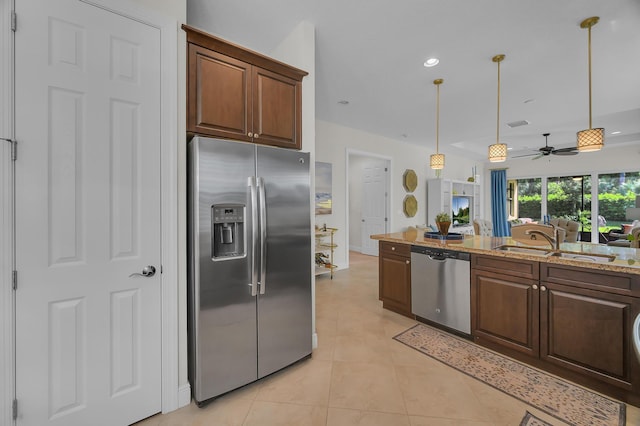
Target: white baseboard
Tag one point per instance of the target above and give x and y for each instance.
(184, 395)
(355, 248)
(314, 341)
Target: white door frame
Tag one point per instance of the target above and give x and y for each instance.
(349, 153)
(169, 142)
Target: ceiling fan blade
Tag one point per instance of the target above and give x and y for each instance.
(525, 155)
(565, 151)
(538, 156)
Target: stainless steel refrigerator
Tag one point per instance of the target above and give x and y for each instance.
(249, 281)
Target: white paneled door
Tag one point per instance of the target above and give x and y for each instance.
(88, 322)
(374, 204)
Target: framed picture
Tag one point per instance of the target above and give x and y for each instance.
(323, 188)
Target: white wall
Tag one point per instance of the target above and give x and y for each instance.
(332, 142)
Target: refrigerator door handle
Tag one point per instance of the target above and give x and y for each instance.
(251, 183)
(263, 235)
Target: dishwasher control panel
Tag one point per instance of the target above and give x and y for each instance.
(438, 253)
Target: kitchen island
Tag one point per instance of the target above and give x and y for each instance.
(570, 312)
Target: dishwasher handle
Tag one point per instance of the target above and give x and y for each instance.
(437, 258)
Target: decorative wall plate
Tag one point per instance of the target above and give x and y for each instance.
(409, 180)
(410, 206)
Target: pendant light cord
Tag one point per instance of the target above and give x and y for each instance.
(590, 126)
(498, 115)
(437, 117)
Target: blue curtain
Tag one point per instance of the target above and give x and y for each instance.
(499, 203)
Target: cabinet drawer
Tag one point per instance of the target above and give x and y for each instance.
(395, 248)
(613, 282)
(514, 267)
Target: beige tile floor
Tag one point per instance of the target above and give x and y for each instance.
(358, 375)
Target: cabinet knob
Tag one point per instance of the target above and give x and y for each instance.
(407, 262)
(535, 287)
(543, 288)
(393, 249)
(256, 136)
(250, 134)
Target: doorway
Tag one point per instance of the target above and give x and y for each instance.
(368, 199)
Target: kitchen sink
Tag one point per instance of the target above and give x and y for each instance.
(573, 255)
(525, 250)
(590, 257)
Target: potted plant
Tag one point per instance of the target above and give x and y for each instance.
(443, 221)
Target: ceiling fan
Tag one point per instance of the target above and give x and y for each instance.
(547, 150)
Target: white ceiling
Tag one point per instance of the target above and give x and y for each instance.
(370, 52)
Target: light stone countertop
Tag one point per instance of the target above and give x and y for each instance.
(627, 259)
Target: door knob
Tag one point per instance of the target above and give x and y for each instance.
(147, 271)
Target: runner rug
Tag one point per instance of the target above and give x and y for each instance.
(561, 399)
(531, 420)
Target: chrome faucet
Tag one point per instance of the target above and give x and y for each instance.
(554, 241)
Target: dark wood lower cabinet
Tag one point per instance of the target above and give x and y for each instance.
(505, 311)
(574, 322)
(588, 332)
(395, 277)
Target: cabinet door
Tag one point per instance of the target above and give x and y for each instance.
(589, 331)
(504, 311)
(276, 109)
(219, 90)
(395, 283)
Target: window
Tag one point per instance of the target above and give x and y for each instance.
(528, 199)
(617, 193)
(570, 197)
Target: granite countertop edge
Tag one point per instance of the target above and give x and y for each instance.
(627, 259)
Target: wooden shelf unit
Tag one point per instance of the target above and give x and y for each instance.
(324, 249)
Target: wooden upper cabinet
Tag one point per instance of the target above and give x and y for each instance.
(219, 90)
(238, 94)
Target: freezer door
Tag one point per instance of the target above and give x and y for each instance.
(221, 308)
(284, 302)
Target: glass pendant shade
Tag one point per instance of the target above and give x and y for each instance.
(437, 161)
(590, 140)
(497, 152)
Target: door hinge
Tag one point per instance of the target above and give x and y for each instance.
(14, 148)
(14, 21)
(386, 170)
(15, 409)
(386, 219)
(14, 280)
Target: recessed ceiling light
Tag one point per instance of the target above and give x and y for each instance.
(431, 62)
(509, 148)
(617, 132)
(343, 102)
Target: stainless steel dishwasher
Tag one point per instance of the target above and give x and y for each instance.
(441, 287)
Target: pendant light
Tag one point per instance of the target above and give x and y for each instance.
(437, 159)
(590, 139)
(498, 151)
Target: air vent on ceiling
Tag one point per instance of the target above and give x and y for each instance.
(518, 123)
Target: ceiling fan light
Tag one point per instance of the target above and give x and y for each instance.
(437, 161)
(590, 140)
(498, 152)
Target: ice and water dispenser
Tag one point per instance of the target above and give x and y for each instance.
(228, 231)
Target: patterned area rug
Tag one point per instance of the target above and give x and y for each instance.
(531, 420)
(559, 398)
